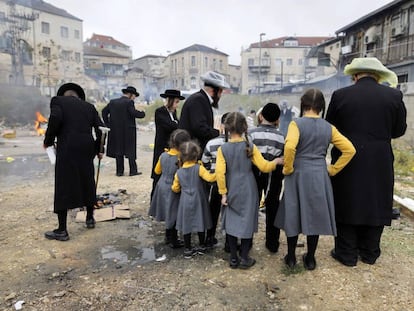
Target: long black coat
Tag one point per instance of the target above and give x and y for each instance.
(71, 121)
(369, 115)
(119, 115)
(197, 118)
(164, 126)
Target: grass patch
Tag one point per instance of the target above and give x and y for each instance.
(296, 270)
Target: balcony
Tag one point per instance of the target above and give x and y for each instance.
(265, 68)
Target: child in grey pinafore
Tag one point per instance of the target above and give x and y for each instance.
(164, 202)
(307, 204)
(238, 188)
(193, 210)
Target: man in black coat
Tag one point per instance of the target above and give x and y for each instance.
(71, 121)
(119, 115)
(197, 114)
(166, 122)
(369, 114)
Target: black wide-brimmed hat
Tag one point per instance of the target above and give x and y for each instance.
(73, 87)
(173, 94)
(130, 90)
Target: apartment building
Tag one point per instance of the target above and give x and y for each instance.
(154, 73)
(40, 45)
(272, 64)
(386, 33)
(187, 65)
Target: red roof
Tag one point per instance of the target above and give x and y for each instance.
(302, 41)
(105, 40)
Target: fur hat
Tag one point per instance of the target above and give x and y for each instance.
(271, 112)
(371, 65)
(73, 87)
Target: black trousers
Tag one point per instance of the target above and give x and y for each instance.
(271, 203)
(358, 240)
(133, 169)
(215, 207)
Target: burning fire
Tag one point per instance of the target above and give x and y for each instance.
(40, 124)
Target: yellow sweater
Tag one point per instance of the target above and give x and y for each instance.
(257, 159)
(338, 140)
(202, 172)
(158, 168)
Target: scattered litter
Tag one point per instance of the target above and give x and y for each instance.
(19, 305)
(9, 159)
(9, 134)
(162, 258)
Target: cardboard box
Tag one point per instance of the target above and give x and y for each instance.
(106, 213)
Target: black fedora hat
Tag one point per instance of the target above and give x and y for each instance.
(173, 94)
(130, 90)
(73, 87)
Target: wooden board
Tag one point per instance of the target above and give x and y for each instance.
(106, 213)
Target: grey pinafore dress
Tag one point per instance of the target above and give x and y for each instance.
(307, 205)
(193, 209)
(240, 216)
(164, 203)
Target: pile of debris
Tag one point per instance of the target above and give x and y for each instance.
(108, 207)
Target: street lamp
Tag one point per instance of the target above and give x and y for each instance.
(260, 58)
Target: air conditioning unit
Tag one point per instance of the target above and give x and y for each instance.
(346, 49)
(398, 30)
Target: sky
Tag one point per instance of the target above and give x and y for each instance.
(160, 27)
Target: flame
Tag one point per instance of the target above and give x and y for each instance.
(40, 124)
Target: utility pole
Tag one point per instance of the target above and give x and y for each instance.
(260, 60)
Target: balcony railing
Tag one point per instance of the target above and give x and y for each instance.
(263, 68)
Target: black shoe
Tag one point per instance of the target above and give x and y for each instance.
(176, 244)
(200, 250)
(234, 263)
(90, 223)
(135, 173)
(57, 235)
(210, 242)
(246, 264)
(337, 258)
(272, 247)
(367, 261)
(189, 253)
(289, 262)
(119, 174)
(309, 264)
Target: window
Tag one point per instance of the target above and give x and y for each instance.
(221, 64)
(46, 52)
(66, 55)
(182, 62)
(206, 62)
(77, 57)
(250, 62)
(300, 61)
(77, 34)
(45, 28)
(193, 82)
(289, 62)
(2, 18)
(290, 42)
(182, 82)
(193, 61)
(64, 32)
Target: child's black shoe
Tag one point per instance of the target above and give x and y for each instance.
(247, 263)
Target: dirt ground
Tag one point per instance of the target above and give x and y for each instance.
(115, 267)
